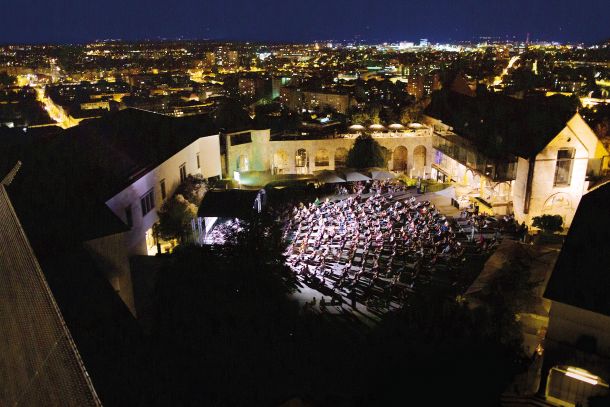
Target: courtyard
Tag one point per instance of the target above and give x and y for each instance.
(367, 252)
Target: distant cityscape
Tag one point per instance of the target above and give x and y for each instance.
(51, 84)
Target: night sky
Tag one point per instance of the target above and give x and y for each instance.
(61, 21)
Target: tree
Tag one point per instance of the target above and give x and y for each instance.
(6, 79)
(548, 223)
(509, 293)
(175, 218)
(599, 401)
(225, 333)
(193, 188)
(411, 113)
(368, 116)
(232, 115)
(367, 152)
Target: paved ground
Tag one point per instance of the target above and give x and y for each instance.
(442, 201)
(306, 294)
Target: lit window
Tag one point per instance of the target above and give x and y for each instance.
(147, 201)
(563, 170)
(183, 172)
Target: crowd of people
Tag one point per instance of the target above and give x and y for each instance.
(375, 245)
(222, 231)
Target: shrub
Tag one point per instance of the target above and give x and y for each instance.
(548, 223)
(408, 181)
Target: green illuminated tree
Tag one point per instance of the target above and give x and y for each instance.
(411, 113)
(175, 218)
(367, 117)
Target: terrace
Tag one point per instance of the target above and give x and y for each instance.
(464, 152)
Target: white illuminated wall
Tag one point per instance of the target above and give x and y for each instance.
(546, 198)
(209, 156)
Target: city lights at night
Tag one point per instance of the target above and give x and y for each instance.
(340, 203)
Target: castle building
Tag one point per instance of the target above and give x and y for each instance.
(526, 158)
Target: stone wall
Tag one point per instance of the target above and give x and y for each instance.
(280, 157)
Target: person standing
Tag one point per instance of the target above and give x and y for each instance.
(523, 232)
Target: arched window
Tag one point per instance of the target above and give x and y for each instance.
(300, 159)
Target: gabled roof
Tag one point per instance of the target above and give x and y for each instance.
(128, 143)
(104, 331)
(581, 277)
(39, 362)
(500, 125)
(232, 203)
(65, 180)
(539, 260)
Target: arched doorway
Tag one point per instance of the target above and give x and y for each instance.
(399, 158)
(300, 161)
(242, 163)
(419, 160)
(340, 157)
(322, 158)
(280, 162)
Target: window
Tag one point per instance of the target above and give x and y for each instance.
(148, 202)
(129, 216)
(301, 158)
(563, 170)
(183, 172)
(198, 162)
(163, 191)
(242, 138)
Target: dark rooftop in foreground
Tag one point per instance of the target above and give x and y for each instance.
(39, 362)
(84, 166)
(55, 194)
(127, 143)
(582, 274)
